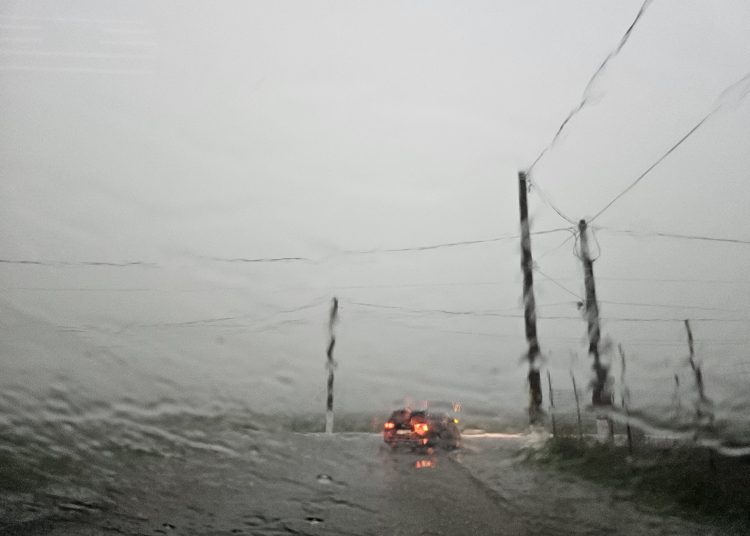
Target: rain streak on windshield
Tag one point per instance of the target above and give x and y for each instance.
(283, 267)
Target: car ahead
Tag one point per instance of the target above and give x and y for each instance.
(421, 430)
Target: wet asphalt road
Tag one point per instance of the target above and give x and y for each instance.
(345, 484)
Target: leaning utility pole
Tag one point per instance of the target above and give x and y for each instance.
(600, 395)
(529, 306)
(625, 398)
(332, 318)
(703, 412)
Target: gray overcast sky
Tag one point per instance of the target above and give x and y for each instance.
(182, 135)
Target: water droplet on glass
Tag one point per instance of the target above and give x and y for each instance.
(324, 479)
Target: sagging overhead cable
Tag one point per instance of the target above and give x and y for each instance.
(742, 86)
(586, 95)
(550, 204)
(679, 236)
(560, 285)
(427, 247)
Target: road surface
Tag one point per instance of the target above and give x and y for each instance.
(313, 484)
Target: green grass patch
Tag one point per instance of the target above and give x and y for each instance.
(19, 475)
(691, 482)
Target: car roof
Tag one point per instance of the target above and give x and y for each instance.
(417, 413)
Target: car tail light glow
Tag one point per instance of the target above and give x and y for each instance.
(389, 425)
(421, 428)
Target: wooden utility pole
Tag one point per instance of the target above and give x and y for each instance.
(600, 395)
(529, 306)
(696, 370)
(332, 318)
(703, 404)
(551, 405)
(625, 398)
(703, 414)
(578, 407)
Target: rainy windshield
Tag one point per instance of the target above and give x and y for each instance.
(333, 267)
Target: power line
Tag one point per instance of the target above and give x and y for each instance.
(665, 280)
(107, 264)
(260, 259)
(540, 317)
(677, 235)
(409, 285)
(446, 312)
(654, 305)
(559, 246)
(262, 324)
(574, 340)
(567, 303)
(721, 102)
(273, 260)
(652, 166)
(558, 284)
(450, 244)
(373, 286)
(572, 293)
(585, 96)
(672, 306)
(681, 320)
(682, 344)
(423, 247)
(549, 203)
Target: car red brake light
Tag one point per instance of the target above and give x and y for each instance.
(389, 425)
(421, 428)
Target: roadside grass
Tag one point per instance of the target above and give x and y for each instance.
(688, 481)
(22, 474)
(17, 476)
